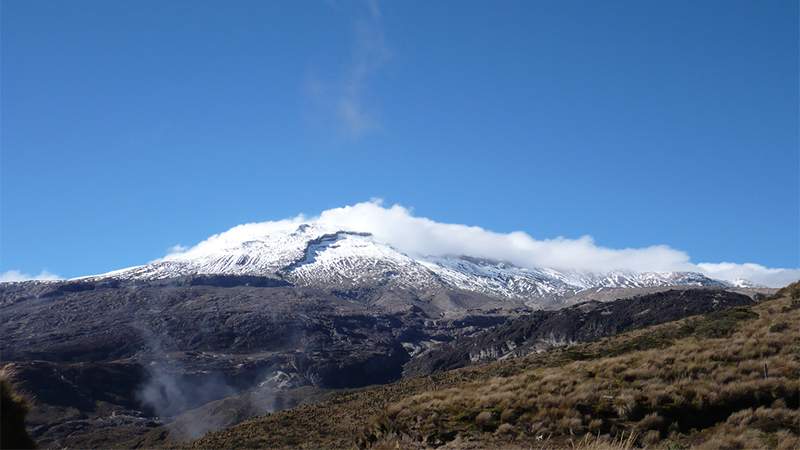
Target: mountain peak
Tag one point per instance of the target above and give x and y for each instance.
(312, 254)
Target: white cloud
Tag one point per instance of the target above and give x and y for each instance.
(177, 248)
(369, 54)
(345, 96)
(16, 275)
(757, 273)
(398, 226)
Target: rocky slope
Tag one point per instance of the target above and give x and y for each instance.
(542, 330)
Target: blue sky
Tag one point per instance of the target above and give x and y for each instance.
(129, 127)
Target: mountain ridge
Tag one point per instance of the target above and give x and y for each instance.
(310, 255)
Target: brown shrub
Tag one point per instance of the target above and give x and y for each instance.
(651, 421)
(767, 419)
(744, 440)
(484, 420)
(778, 327)
(13, 409)
(505, 429)
(652, 437)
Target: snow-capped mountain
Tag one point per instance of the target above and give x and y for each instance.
(312, 255)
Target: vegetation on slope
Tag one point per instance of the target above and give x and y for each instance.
(730, 379)
(13, 409)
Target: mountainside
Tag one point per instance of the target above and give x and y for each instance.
(311, 255)
(542, 330)
(725, 380)
(120, 357)
(110, 360)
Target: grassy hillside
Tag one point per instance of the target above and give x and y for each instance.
(13, 409)
(727, 380)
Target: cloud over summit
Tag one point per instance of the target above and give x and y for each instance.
(16, 275)
(397, 226)
(347, 96)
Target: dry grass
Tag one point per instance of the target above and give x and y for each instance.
(747, 378)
